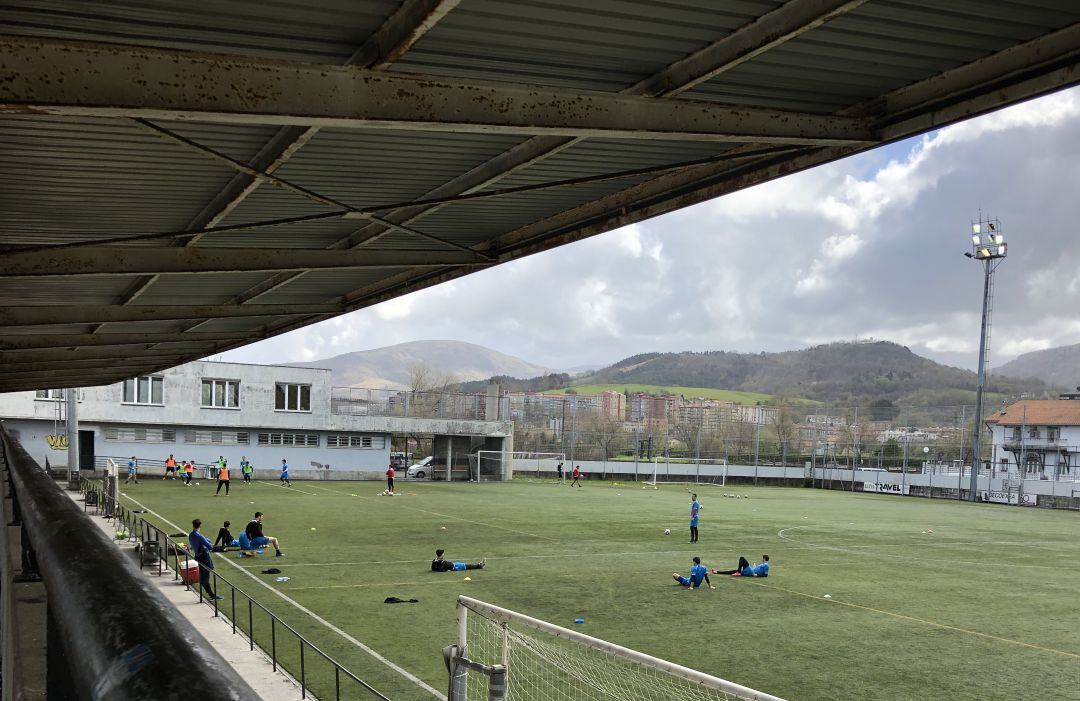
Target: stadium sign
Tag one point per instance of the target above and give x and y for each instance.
(1014, 498)
(882, 488)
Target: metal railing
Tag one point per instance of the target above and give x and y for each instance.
(288, 650)
(354, 401)
(127, 647)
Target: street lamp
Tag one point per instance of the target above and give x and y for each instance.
(988, 247)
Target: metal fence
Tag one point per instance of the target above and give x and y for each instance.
(100, 645)
(353, 401)
(318, 674)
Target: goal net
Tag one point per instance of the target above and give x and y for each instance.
(504, 655)
(696, 470)
(496, 465)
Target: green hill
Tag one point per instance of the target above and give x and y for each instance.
(834, 372)
(722, 395)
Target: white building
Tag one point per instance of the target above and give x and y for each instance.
(1040, 437)
(267, 413)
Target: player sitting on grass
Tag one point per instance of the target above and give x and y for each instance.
(253, 538)
(225, 539)
(441, 565)
(745, 569)
(698, 573)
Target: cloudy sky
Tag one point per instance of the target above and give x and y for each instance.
(868, 247)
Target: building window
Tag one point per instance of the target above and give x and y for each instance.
(216, 437)
(55, 395)
(221, 394)
(1016, 433)
(1034, 432)
(368, 442)
(140, 435)
(1053, 433)
(303, 440)
(289, 397)
(145, 390)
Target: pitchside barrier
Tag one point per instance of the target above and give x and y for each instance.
(919, 480)
(501, 654)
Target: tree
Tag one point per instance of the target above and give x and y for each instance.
(431, 391)
(883, 410)
(606, 432)
(784, 428)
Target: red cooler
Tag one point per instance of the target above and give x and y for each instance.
(189, 572)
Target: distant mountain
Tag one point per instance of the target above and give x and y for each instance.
(390, 367)
(1057, 366)
(834, 372)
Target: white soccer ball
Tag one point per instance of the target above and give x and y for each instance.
(196, 484)
(667, 531)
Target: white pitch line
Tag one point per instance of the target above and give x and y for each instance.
(370, 651)
(291, 489)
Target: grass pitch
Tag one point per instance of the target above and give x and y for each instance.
(986, 606)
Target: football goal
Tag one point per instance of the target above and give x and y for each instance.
(495, 465)
(504, 655)
(696, 470)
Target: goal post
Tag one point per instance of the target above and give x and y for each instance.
(697, 470)
(503, 654)
(496, 465)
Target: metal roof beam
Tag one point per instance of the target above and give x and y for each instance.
(19, 361)
(47, 315)
(95, 80)
(114, 260)
(68, 340)
(790, 20)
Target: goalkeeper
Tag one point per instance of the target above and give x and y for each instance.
(441, 565)
(698, 574)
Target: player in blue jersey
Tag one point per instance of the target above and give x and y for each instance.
(695, 512)
(698, 574)
(745, 569)
(285, 474)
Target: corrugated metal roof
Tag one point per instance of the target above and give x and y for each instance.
(319, 31)
(65, 179)
(882, 45)
(607, 45)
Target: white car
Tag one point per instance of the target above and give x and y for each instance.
(421, 469)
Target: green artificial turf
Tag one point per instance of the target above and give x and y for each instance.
(986, 606)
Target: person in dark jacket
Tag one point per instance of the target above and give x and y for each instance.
(201, 548)
(224, 538)
(441, 565)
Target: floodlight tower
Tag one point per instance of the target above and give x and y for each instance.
(987, 247)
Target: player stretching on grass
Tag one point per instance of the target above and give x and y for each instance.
(255, 538)
(695, 511)
(698, 573)
(441, 565)
(745, 569)
(285, 474)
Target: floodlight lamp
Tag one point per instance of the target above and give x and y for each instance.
(999, 239)
(975, 239)
(1001, 250)
(984, 252)
(976, 229)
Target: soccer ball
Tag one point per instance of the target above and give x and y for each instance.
(667, 531)
(196, 484)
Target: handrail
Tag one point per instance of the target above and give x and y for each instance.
(119, 641)
(134, 523)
